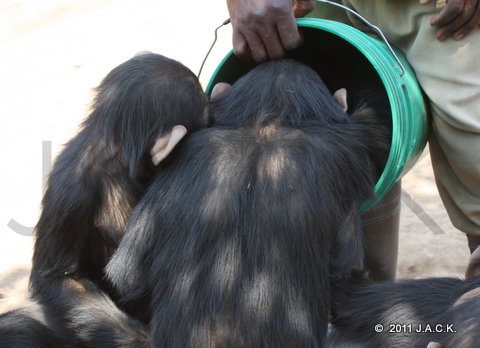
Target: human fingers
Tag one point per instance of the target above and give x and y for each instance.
(263, 29)
(457, 19)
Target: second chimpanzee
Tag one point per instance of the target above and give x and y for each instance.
(142, 108)
(409, 313)
(238, 239)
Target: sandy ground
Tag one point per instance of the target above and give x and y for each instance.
(54, 52)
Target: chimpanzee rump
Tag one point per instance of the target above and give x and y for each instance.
(238, 238)
(95, 182)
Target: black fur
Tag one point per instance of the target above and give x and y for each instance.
(102, 172)
(95, 182)
(89, 319)
(21, 330)
(405, 307)
(237, 240)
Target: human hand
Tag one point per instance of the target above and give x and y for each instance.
(473, 268)
(265, 29)
(456, 19)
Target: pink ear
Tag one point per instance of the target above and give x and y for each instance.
(434, 345)
(219, 89)
(166, 143)
(473, 268)
(141, 53)
(340, 97)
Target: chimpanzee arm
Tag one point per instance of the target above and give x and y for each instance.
(129, 268)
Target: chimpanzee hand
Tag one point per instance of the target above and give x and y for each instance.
(265, 29)
(457, 18)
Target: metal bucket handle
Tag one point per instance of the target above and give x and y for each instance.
(364, 20)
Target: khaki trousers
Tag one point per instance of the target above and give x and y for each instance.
(449, 73)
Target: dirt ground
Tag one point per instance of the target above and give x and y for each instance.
(54, 52)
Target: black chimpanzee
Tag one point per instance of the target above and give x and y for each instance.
(142, 108)
(409, 313)
(239, 238)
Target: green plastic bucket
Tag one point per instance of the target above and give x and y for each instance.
(331, 41)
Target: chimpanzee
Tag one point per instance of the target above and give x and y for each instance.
(142, 108)
(240, 236)
(409, 313)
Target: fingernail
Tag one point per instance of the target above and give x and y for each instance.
(441, 36)
(458, 36)
(259, 58)
(294, 43)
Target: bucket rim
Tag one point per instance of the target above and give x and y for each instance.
(395, 78)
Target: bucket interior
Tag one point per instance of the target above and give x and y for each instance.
(339, 64)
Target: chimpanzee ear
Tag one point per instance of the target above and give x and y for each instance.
(473, 268)
(434, 345)
(219, 89)
(166, 143)
(340, 97)
(141, 53)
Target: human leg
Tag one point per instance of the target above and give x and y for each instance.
(448, 72)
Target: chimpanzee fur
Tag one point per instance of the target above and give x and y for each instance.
(238, 239)
(95, 182)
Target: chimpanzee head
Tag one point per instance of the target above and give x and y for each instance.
(140, 100)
